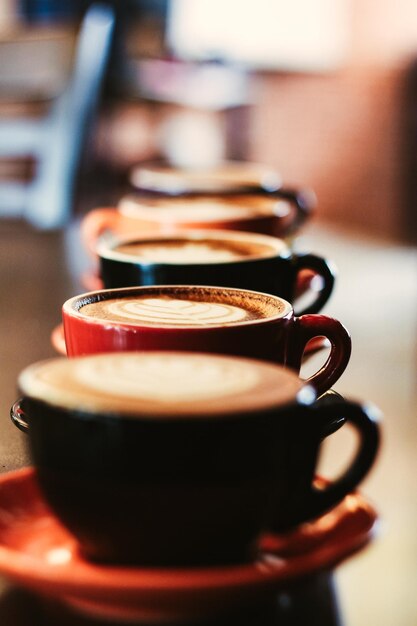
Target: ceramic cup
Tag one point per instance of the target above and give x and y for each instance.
(178, 459)
(202, 319)
(274, 211)
(164, 177)
(219, 258)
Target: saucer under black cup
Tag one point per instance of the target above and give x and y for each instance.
(37, 553)
(187, 478)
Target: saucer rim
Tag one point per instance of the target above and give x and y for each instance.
(96, 579)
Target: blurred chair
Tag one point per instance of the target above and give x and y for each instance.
(57, 140)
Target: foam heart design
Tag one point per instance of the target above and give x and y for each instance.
(173, 312)
(167, 379)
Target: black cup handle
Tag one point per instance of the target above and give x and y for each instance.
(365, 419)
(18, 416)
(332, 425)
(320, 267)
(304, 200)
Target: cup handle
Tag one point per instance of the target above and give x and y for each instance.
(94, 224)
(307, 327)
(18, 416)
(365, 420)
(304, 201)
(336, 421)
(319, 267)
(58, 340)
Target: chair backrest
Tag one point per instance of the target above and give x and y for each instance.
(50, 203)
(91, 58)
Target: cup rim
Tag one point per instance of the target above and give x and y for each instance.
(227, 173)
(137, 207)
(70, 308)
(278, 247)
(267, 398)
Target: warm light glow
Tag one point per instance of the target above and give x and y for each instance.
(299, 35)
(58, 556)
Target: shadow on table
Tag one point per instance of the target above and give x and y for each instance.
(310, 602)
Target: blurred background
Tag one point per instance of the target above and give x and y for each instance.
(324, 92)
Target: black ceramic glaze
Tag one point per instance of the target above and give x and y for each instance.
(276, 276)
(195, 491)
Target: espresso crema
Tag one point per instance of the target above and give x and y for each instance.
(196, 210)
(160, 383)
(165, 310)
(181, 307)
(191, 250)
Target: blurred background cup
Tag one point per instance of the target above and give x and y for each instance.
(250, 208)
(226, 178)
(163, 177)
(123, 449)
(202, 319)
(219, 258)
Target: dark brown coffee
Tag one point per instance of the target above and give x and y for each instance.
(184, 307)
(161, 383)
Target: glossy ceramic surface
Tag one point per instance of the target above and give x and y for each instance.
(280, 339)
(38, 554)
(270, 268)
(58, 343)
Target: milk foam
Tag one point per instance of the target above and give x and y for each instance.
(167, 379)
(184, 252)
(198, 210)
(160, 384)
(166, 311)
(185, 210)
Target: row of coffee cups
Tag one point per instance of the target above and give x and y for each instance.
(179, 430)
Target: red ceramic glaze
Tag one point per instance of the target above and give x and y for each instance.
(313, 346)
(110, 220)
(36, 552)
(91, 280)
(278, 339)
(58, 340)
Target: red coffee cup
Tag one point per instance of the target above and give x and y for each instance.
(248, 208)
(202, 319)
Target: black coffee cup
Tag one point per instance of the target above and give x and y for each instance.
(179, 459)
(229, 180)
(217, 258)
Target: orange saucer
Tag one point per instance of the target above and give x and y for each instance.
(36, 552)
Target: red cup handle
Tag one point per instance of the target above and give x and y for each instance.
(308, 327)
(58, 340)
(96, 223)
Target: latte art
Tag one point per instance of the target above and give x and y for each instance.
(160, 384)
(197, 247)
(167, 311)
(167, 378)
(187, 252)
